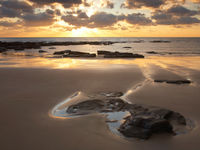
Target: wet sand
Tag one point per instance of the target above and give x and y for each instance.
(27, 95)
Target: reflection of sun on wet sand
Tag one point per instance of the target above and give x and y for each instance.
(31, 87)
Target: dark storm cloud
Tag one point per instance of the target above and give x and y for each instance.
(40, 19)
(65, 3)
(181, 11)
(138, 19)
(176, 15)
(14, 8)
(9, 24)
(103, 20)
(140, 3)
(100, 19)
(130, 4)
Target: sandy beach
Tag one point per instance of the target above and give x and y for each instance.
(100, 74)
(28, 94)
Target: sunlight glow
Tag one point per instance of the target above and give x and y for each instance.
(83, 32)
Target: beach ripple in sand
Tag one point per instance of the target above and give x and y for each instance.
(124, 118)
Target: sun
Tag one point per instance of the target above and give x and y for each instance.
(84, 32)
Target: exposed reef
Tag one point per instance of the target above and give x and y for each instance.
(19, 46)
(134, 120)
(108, 54)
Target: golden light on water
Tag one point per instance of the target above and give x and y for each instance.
(68, 63)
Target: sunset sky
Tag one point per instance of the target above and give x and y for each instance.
(99, 18)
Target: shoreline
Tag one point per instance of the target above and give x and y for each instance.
(31, 88)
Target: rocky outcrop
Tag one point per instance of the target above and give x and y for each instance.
(173, 81)
(96, 105)
(108, 54)
(142, 122)
(145, 121)
(38, 45)
(19, 46)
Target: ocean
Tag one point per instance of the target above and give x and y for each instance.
(162, 46)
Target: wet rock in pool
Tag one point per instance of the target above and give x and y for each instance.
(86, 107)
(131, 120)
(174, 81)
(96, 105)
(149, 121)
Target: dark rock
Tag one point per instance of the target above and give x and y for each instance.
(179, 82)
(160, 81)
(19, 48)
(79, 54)
(37, 45)
(52, 48)
(62, 52)
(149, 121)
(161, 113)
(138, 56)
(2, 49)
(86, 107)
(141, 122)
(101, 52)
(127, 47)
(160, 41)
(90, 106)
(122, 55)
(139, 41)
(174, 81)
(180, 119)
(136, 132)
(69, 53)
(151, 52)
(42, 51)
(114, 104)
